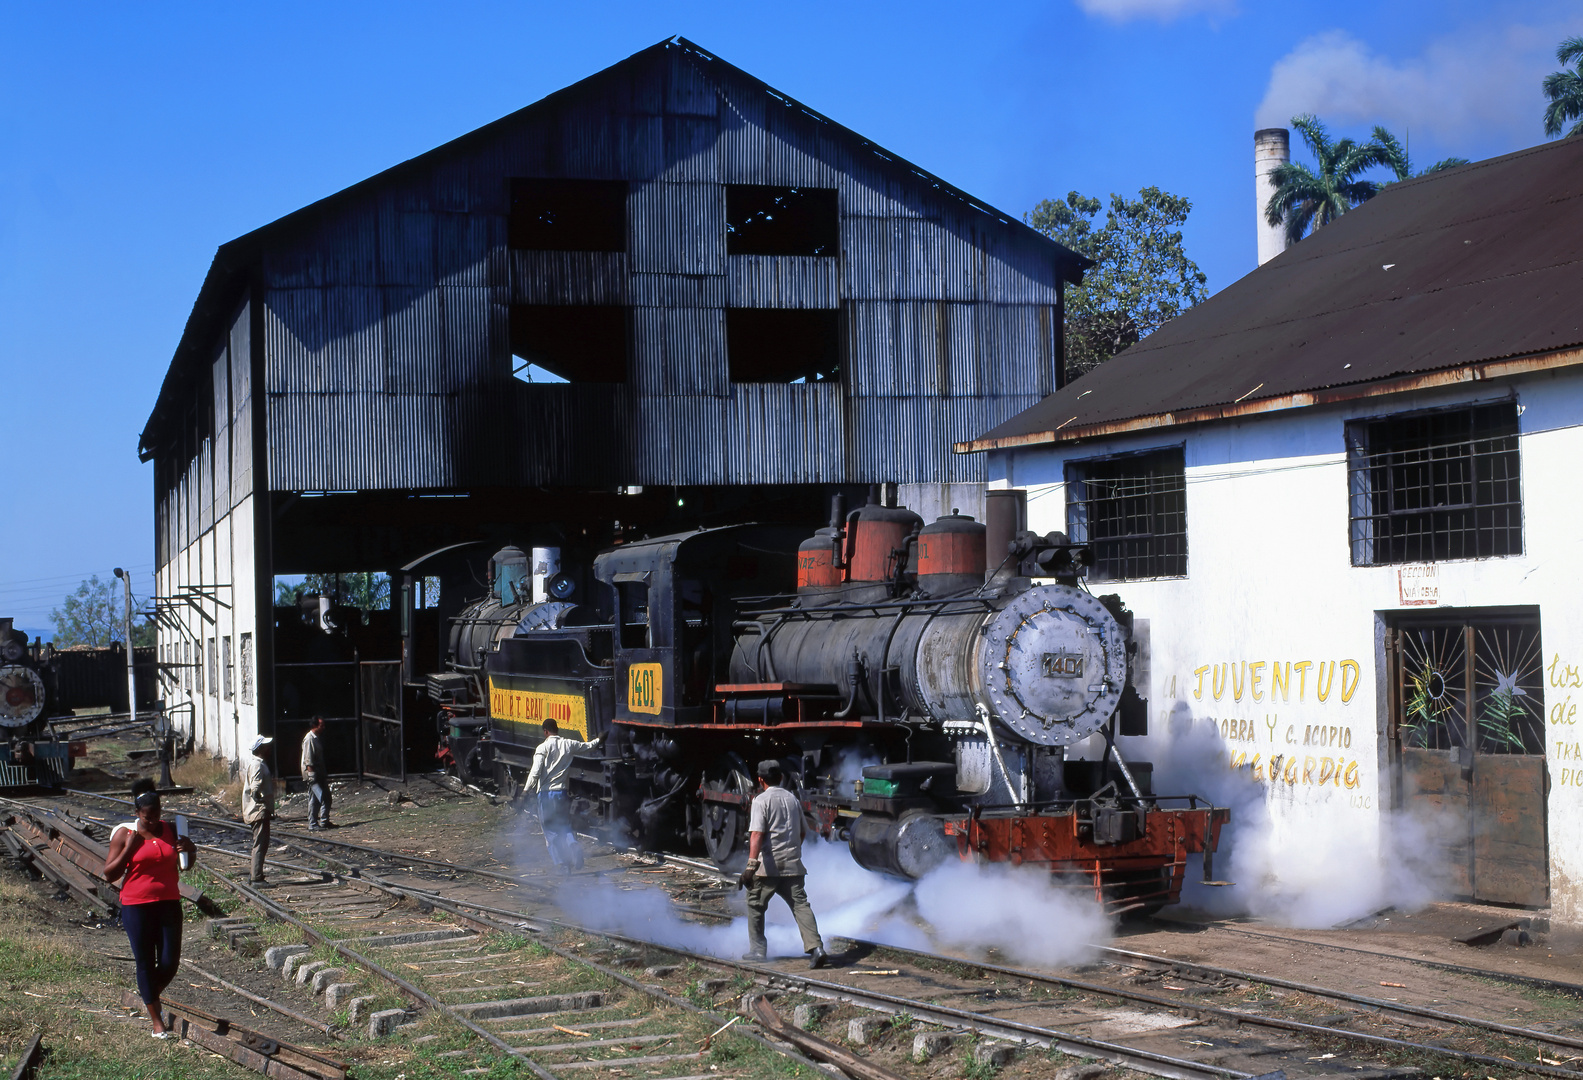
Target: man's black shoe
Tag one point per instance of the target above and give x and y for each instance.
(329, 825)
(757, 956)
(817, 958)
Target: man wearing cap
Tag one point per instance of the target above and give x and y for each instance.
(775, 834)
(317, 776)
(258, 803)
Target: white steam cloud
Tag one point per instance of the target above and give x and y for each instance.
(1312, 870)
(963, 907)
(1481, 82)
(1162, 10)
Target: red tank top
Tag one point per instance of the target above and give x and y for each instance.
(151, 873)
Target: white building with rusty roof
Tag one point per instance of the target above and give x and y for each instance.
(1343, 498)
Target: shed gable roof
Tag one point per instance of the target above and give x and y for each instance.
(237, 260)
(1449, 276)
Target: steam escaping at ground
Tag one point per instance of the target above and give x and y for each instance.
(1312, 866)
(960, 907)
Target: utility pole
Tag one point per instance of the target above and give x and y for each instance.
(131, 670)
(161, 737)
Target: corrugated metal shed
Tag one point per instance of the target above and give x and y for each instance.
(1464, 267)
(382, 314)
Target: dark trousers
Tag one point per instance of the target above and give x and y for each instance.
(318, 802)
(789, 889)
(154, 930)
(260, 846)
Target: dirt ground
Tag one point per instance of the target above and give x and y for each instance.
(64, 971)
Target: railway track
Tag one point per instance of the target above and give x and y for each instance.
(499, 927)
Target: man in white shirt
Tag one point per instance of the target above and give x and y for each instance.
(776, 829)
(258, 803)
(547, 779)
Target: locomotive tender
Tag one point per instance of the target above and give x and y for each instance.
(922, 698)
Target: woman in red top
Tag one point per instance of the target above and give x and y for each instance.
(145, 850)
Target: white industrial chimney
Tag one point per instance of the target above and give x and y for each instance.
(1272, 147)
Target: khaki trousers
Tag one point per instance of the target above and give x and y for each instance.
(260, 846)
(789, 889)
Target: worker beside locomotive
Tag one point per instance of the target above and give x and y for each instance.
(922, 701)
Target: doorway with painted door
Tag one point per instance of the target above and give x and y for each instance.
(1466, 742)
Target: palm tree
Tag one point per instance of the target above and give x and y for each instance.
(1565, 90)
(1394, 157)
(1305, 197)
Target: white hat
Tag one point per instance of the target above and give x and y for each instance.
(262, 740)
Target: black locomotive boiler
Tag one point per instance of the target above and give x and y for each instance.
(926, 701)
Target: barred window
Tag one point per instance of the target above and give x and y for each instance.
(244, 667)
(1432, 486)
(1132, 510)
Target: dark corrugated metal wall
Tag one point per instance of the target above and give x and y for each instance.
(386, 316)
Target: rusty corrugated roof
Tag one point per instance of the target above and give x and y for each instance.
(1434, 279)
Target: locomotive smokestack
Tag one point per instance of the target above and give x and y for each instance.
(1272, 148)
(837, 511)
(1005, 515)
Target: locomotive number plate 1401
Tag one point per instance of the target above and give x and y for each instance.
(645, 688)
(1062, 665)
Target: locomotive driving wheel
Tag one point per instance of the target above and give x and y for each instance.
(726, 818)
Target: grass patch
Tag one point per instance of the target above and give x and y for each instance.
(202, 773)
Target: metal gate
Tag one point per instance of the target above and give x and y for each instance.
(328, 689)
(1467, 739)
(379, 710)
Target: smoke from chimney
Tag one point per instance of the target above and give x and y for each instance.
(1272, 147)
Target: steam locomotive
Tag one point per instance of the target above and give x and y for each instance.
(924, 702)
(29, 695)
(22, 691)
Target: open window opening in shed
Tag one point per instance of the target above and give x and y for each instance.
(1132, 510)
(783, 345)
(1432, 486)
(766, 220)
(585, 344)
(568, 215)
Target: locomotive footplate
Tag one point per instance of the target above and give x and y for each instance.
(1145, 870)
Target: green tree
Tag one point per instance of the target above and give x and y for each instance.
(1141, 277)
(1394, 157)
(95, 614)
(368, 591)
(1309, 198)
(1565, 90)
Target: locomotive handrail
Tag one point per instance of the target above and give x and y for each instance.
(976, 603)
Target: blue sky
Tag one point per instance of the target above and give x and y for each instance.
(134, 141)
